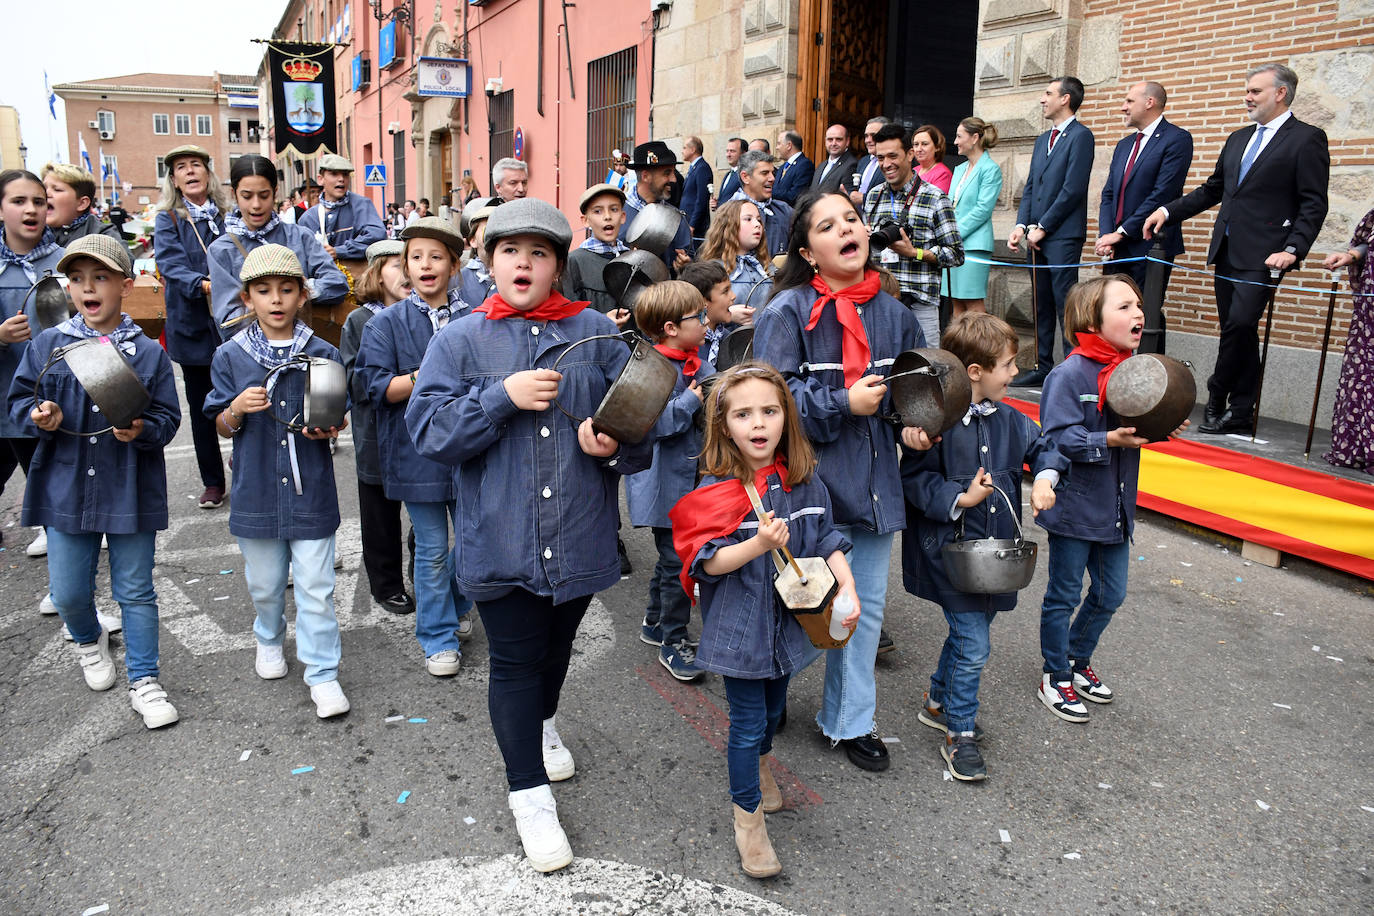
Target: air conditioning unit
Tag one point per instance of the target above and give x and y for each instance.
(94, 124)
(107, 135)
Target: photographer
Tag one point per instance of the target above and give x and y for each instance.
(912, 231)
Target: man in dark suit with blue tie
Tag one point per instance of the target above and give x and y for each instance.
(696, 193)
(867, 168)
(734, 148)
(795, 171)
(1271, 183)
(1149, 166)
(1053, 218)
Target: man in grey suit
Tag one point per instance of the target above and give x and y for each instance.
(836, 173)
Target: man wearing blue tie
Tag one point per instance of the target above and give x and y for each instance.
(734, 148)
(1271, 183)
(795, 170)
(867, 169)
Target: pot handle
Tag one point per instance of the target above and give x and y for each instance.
(53, 357)
(293, 425)
(1020, 537)
(625, 337)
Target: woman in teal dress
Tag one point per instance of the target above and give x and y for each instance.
(974, 191)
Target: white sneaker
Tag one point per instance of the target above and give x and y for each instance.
(1061, 699)
(329, 699)
(465, 626)
(47, 608)
(536, 818)
(270, 664)
(97, 667)
(108, 622)
(150, 701)
(38, 547)
(558, 760)
(444, 663)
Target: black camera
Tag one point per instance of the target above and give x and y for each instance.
(885, 233)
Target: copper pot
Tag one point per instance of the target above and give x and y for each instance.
(635, 399)
(1152, 392)
(930, 389)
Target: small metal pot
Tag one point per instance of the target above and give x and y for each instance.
(654, 228)
(326, 393)
(991, 566)
(1152, 392)
(51, 303)
(735, 348)
(930, 389)
(635, 399)
(107, 378)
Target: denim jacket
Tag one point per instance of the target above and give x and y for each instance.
(95, 483)
(534, 511)
(677, 447)
(857, 456)
(264, 502)
(226, 261)
(367, 461)
(1098, 501)
(394, 343)
(933, 480)
(746, 631)
(14, 285)
(184, 265)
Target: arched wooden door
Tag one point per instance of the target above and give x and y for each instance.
(842, 53)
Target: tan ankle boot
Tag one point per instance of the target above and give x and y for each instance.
(772, 796)
(756, 854)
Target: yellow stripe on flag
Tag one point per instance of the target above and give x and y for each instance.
(1274, 507)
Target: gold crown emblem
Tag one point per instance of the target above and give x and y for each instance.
(301, 69)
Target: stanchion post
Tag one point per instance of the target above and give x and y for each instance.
(1275, 276)
(1152, 340)
(1321, 370)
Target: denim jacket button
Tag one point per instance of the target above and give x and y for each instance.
(548, 554)
(90, 472)
(95, 408)
(983, 449)
(283, 480)
(546, 493)
(94, 440)
(535, 330)
(544, 431)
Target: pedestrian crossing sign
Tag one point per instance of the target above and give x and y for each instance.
(374, 175)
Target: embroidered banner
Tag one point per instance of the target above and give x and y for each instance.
(302, 75)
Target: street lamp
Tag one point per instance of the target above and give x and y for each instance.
(23, 155)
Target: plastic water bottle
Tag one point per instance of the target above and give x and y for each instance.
(839, 612)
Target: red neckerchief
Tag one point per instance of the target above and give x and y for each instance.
(854, 350)
(1099, 351)
(689, 359)
(554, 308)
(715, 511)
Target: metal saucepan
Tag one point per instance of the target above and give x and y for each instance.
(1152, 392)
(107, 378)
(991, 566)
(630, 274)
(326, 393)
(735, 348)
(51, 303)
(930, 389)
(635, 399)
(654, 228)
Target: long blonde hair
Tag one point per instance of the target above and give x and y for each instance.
(171, 198)
(720, 457)
(722, 239)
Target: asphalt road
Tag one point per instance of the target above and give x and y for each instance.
(1232, 775)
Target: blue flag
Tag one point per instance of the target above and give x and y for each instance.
(52, 96)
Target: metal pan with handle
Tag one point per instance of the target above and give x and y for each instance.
(107, 378)
(635, 399)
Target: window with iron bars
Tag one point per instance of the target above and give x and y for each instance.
(502, 115)
(610, 111)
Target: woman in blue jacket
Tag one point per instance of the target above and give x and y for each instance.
(974, 189)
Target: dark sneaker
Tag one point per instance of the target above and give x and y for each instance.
(962, 757)
(1090, 687)
(1061, 699)
(885, 643)
(212, 498)
(400, 603)
(651, 633)
(625, 567)
(934, 716)
(681, 662)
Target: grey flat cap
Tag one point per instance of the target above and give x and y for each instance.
(529, 216)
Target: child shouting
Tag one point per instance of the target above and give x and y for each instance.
(603, 213)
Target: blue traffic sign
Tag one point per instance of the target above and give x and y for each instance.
(374, 175)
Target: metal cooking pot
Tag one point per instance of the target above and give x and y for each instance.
(107, 378)
(630, 274)
(635, 399)
(326, 393)
(654, 228)
(930, 389)
(51, 303)
(735, 348)
(990, 566)
(1152, 392)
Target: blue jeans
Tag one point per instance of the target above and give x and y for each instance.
(850, 699)
(955, 682)
(436, 593)
(72, 560)
(669, 606)
(265, 565)
(755, 707)
(1107, 565)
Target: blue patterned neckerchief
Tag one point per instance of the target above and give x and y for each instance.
(374, 307)
(632, 198)
(599, 247)
(765, 206)
(206, 211)
(440, 317)
(333, 204)
(983, 408)
(234, 225)
(748, 260)
(76, 223)
(123, 336)
(47, 244)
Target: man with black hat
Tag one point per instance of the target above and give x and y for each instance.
(345, 223)
(654, 165)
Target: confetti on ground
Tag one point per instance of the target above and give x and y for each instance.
(1160, 546)
(469, 821)
(394, 718)
(1283, 706)
(226, 572)
(299, 770)
(1335, 659)
(245, 755)
(948, 777)
(1073, 855)
(91, 911)
(1181, 563)
(1280, 614)
(401, 799)
(222, 598)
(1262, 805)
(1239, 579)
(192, 581)
(892, 740)
(1367, 808)
(1175, 581)
(1316, 648)
(1157, 785)
(418, 720)
(1006, 837)
(1247, 563)
(1103, 785)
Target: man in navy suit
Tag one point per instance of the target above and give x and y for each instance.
(867, 169)
(1149, 166)
(696, 194)
(794, 169)
(1053, 218)
(734, 148)
(1271, 183)
(836, 173)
